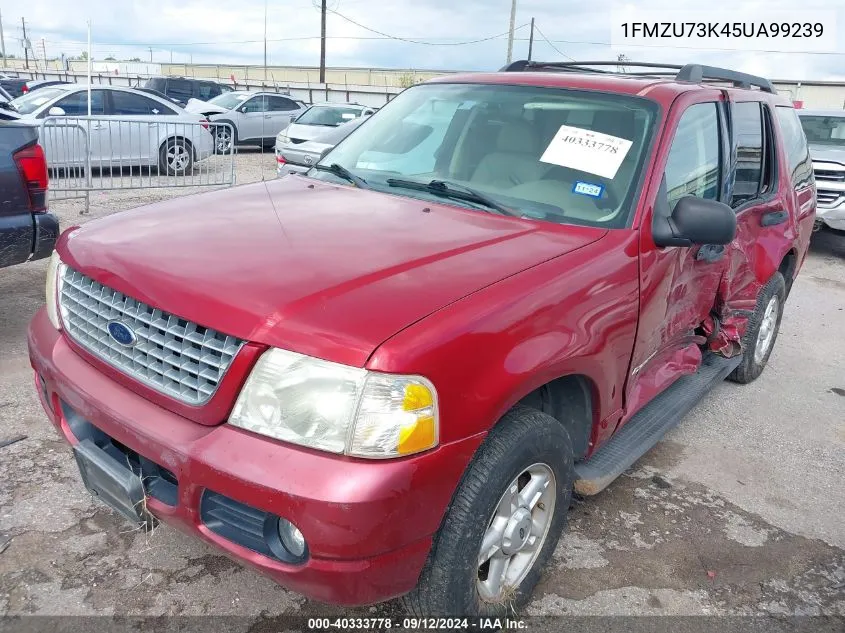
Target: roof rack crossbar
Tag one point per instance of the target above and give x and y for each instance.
(693, 73)
(696, 73)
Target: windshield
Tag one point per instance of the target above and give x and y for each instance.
(560, 155)
(230, 100)
(31, 101)
(328, 115)
(824, 130)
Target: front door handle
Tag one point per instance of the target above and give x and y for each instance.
(773, 218)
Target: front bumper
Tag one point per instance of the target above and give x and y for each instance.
(832, 216)
(368, 524)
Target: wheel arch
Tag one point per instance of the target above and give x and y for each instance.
(787, 268)
(571, 399)
(231, 124)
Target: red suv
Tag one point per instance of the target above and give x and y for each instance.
(388, 375)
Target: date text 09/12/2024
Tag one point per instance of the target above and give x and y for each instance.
(416, 624)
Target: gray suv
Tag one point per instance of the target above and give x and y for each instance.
(825, 131)
(255, 117)
(181, 89)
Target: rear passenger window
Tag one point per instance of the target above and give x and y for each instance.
(281, 104)
(795, 142)
(208, 90)
(179, 89)
(129, 104)
(692, 168)
(748, 131)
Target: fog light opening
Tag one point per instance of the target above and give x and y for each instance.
(292, 539)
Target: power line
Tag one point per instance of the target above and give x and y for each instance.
(428, 43)
(548, 41)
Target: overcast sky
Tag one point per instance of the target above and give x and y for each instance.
(232, 31)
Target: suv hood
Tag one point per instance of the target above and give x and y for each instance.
(325, 270)
(196, 106)
(827, 153)
(305, 132)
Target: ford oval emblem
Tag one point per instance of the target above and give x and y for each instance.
(122, 334)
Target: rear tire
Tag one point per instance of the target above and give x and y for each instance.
(762, 331)
(176, 157)
(527, 455)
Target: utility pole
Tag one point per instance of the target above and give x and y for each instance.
(44, 52)
(323, 44)
(265, 40)
(2, 41)
(25, 44)
(151, 54)
(531, 40)
(510, 31)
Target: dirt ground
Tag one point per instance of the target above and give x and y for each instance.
(740, 510)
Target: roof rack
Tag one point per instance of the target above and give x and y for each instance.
(693, 73)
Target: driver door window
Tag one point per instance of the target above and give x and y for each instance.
(77, 103)
(692, 168)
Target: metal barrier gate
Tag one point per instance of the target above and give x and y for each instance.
(105, 153)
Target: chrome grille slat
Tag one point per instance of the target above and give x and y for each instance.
(175, 356)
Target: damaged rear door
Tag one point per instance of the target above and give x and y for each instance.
(766, 217)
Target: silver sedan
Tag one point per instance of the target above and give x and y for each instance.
(127, 128)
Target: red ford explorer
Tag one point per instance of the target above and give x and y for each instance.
(387, 376)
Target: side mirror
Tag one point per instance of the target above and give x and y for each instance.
(56, 111)
(693, 221)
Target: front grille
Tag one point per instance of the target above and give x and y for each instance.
(828, 199)
(172, 355)
(830, 175)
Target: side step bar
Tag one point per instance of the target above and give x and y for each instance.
(649, 425)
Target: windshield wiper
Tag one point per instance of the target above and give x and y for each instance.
(452, 190)
(342, 172)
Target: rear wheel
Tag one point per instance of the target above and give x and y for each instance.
(504, 521)
(762, 331)
(176, 157)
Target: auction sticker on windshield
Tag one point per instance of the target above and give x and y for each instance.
(587, 151)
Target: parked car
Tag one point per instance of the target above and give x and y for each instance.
(27, 230)
(38, 84)
(131, 129)
(181, 89)
(294, 158)
(387, 377)
(13, 85)
(314, 121)
(255, 117)
(825, 132)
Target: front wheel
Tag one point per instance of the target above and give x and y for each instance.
(762, 331)
(504, 521)
(223, 139)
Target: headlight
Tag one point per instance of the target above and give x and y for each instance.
(54, 281)
(337, 408)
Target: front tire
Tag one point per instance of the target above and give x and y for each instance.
(504, 521)
(762, 331)
(224, 139)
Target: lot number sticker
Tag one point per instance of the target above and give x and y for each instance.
(587, 151)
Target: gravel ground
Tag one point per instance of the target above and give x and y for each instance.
(738, 511)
